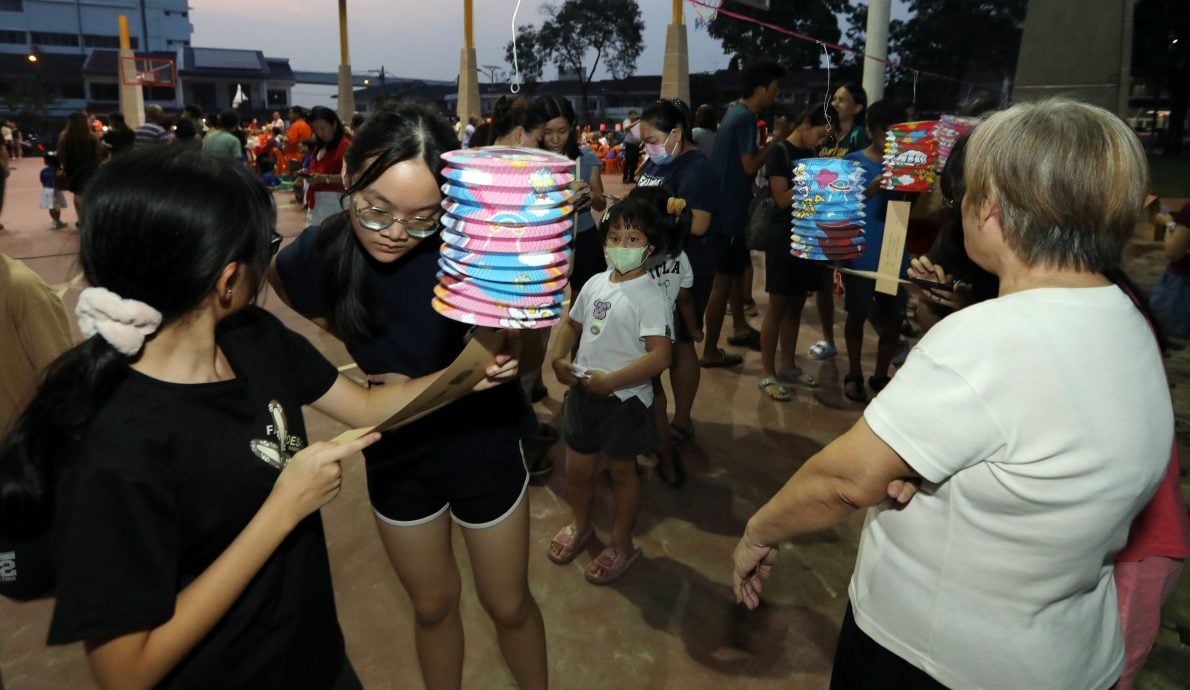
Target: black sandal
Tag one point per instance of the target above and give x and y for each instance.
(853, 388)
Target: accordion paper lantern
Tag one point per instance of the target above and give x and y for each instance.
(948, 132)
(506, 237)
(910, 157)
(828, 209)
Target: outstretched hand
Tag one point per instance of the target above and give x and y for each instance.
(312, 477)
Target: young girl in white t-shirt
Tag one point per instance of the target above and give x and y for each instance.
(621, 320)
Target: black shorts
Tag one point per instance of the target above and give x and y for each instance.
(860, 296)
(484, 496)
(620, 429)
(701, 294)
(731, 254)
(788, 275)
(588, 259)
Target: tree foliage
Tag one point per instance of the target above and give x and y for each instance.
(746, 41)
(580, 35)
(529, 58)
(976, 41)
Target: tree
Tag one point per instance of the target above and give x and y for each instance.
(976, 41)
(529, 58)
(578, 35)
(746, 41)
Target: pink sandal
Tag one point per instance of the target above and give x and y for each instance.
(614, 563)
(571, 544)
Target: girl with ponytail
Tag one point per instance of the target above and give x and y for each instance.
(168, 449)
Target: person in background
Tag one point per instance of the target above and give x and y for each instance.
(53, 199)
(278, 121)
(737, 159)
(674, 161)
(195, 112)
(119, 136)
(469, 130)
(5, 171)
(706, 123)
(224, 142)
(1030, 477)
(324, 172)
(357, 121)
(299, 131)
(186, 135)
(153, 130)
(1170, 296)
(79, 152)
(267, 176)
(860, 298)
(631, 143)
(788, 279)
(850, 101)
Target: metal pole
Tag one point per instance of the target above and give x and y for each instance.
(346, 87)
(677, 12)
(468, 24)
(877, 47)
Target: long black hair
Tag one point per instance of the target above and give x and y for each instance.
(161, 226)
(674, 217)
(329, 116)
(397, 132)
(668, 114)
(555, 107)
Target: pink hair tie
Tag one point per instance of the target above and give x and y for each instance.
(123, 323)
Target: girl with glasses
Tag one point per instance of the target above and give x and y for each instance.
(368, 275)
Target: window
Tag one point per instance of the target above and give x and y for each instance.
(12, 6)
(105, 92)
(73, 91)
(15, 37)
(159, 93)
(54, 39)
(277, 98)
(97, 41)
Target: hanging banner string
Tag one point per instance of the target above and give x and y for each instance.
(825, 44)
(514, 84)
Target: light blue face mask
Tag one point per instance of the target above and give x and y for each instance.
(626, 259)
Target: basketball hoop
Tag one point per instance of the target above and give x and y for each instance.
(147, 71)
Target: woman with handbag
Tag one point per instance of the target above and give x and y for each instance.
(788, 280)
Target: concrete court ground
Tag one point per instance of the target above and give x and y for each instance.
(671, 622)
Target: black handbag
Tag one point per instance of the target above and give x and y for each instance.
(769, 226)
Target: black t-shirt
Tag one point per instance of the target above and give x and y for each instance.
(780, 159)
(164, 478)
(416, 341)
(694, 179)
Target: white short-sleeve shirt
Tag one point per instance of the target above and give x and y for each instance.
(1041, 422)
(671, 275)
(615, 320)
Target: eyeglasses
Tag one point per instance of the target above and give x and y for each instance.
(275, 243)
(377, 219)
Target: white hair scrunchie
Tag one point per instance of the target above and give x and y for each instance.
(123, 323)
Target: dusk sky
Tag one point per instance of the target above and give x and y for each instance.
(410, 38)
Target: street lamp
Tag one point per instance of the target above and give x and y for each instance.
(31, 57)
(382, 79)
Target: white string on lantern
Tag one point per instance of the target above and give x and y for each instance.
(826, 99)
(514, 83)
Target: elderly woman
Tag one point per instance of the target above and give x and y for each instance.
(1039, 423)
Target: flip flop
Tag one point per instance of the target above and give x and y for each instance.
(823, 350)
(729, 359)
(773, 388)
(614, 563)
(853, 388)
(797, 377)
(572, 544)
(751, 340)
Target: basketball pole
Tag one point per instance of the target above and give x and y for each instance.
(468, 102)
(132, 96)
(675, 77)
(346, 87)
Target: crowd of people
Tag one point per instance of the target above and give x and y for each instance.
(1025, 520)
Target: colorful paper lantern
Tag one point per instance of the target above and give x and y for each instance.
(505, 253)
(948, 132)
(910, 157)
(828, 209)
